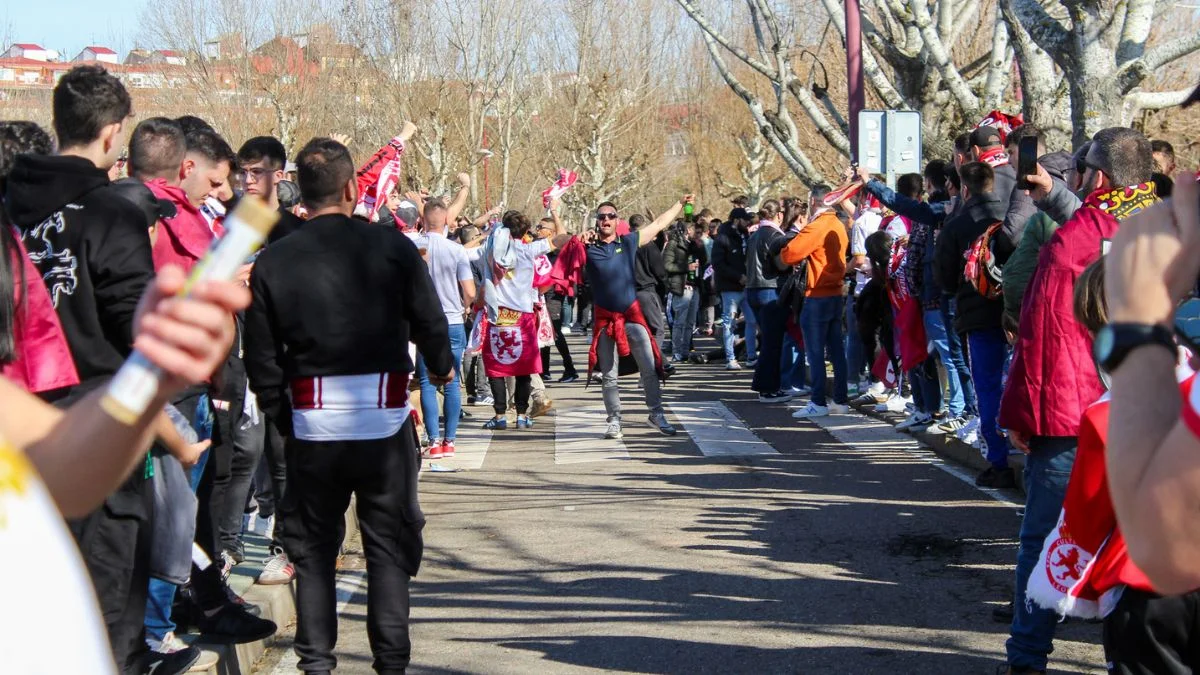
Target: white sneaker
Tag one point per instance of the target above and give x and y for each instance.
(811, 410)
(968, 430)
(566, 330)
(659, 421)
(613, 431)
(800, 391)
(278, 570)
(894, 404)
(914, 421)
(264, 527)
(838, 409)
(876, 389)
(733, 365)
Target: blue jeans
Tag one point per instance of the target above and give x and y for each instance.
(1047, 471)
(954, 343)
(935, 331)
(771, 319)
(451, 392)
(730, 301)
(854, 345)
(821, 321)
(791, 364)
(988, 351)
(751, 328)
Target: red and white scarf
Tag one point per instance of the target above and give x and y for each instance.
(377, 178)
(566, 178)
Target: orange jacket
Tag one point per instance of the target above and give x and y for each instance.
(823, 241)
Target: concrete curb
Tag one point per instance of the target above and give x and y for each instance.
(949, 447)
(278, 604)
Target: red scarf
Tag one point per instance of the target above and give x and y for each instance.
(994, 157)
(605, 322)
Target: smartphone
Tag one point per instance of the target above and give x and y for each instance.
(1027, 157)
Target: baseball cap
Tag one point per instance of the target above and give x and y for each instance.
(407, 215)
(289, 193)
(740, 214)
(985, 137)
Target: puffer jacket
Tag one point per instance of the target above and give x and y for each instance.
(1021, 265)
(1053, 377)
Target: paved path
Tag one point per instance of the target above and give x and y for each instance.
(749, 543)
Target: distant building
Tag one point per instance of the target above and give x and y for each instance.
(157, 57)
(28, 50)
(97, 54)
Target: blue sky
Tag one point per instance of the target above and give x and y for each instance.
(71, 25)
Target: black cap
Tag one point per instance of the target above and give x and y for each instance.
(985, 137)
(407, 215)
(740, 214)
(289, 193)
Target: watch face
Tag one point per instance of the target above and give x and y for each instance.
(1102, 346)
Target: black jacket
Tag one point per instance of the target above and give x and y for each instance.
(92, 249)
(681, 251)
(649, 271)
(289, 223)
(339, 297)
(975, 312)
(729, 259)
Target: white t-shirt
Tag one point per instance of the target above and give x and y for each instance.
(514, 290)
(448, 265)
(53, 594)
(864, 226)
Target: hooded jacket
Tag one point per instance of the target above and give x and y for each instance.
(1053, 378)
(975, 312)
(92, 250)
(729, 259)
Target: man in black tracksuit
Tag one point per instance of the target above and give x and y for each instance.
(326, 349)
(93, 251)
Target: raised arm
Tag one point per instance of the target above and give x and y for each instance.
(460, 200)
(663, 221)
(483, 220)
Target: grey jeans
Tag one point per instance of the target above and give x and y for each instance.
(608, 363)
(685, 308)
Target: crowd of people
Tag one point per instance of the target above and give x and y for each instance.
(971, 299)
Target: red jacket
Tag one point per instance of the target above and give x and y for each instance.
(1053, 377)
(184, 238)
(43, 360)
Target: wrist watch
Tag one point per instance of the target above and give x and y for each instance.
(1116, 341)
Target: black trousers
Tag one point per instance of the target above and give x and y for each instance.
(555, 307)
(523, 384)
(1147, 634)
(115, 542)
(382, 474)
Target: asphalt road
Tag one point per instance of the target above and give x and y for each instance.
(854, 554)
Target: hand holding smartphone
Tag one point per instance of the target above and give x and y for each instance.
(1027, 157)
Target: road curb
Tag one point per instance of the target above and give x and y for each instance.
(278, 603)
(948, 446)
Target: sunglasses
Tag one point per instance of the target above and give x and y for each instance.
(606, 216)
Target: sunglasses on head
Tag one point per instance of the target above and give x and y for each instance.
(606, 216)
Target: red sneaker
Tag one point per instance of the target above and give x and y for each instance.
(447, 448)
(434, 451)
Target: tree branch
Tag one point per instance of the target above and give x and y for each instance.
(1157, 100)
(999, 66)
(941, 58)
(696, 15)
(1139, 19)
(1049, 33)
(875, 75)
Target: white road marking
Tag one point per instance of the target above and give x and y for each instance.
(579, 437)
(471, 446)
(349, 583)
(856, 431)
(718, 431)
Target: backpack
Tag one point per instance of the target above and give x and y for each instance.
(982, 270)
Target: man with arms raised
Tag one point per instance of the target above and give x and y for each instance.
(619, 325)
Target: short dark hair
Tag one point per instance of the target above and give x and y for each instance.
(1090, 304)
(1162, 147)
(323, 168)
(935, 172)
(1163, 185)
(209, 145)
(156, 149)
(609, 205)
(817, 192)
(977, 177)
(637, 221)
(740, 201)
(952, 177)
(1027, 130)
(262, 148)
(87, 99)
(1124, 154)
(962, 143)
(910, 185)
(21, 138)
(517, 223)
(769, 209)
(190, 123)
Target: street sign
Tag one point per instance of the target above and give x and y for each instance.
(889, 142)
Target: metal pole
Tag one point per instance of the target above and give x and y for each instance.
(854, 71)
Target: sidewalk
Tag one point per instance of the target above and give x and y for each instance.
(278, 604)
(949, 447)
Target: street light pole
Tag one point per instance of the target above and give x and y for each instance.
(854, 71)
